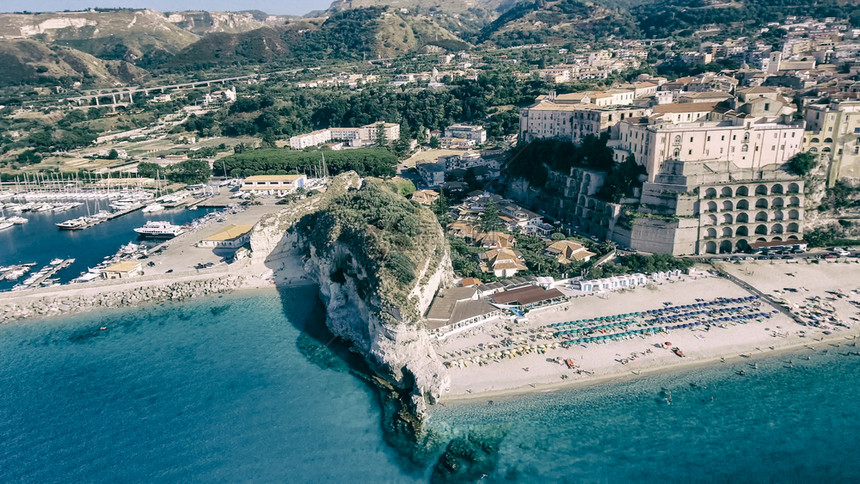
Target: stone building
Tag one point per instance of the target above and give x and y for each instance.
(833, 134)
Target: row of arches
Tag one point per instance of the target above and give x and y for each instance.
(743, 191)
(729, 206)
(742, 218)
(744, 231)
(742, 245)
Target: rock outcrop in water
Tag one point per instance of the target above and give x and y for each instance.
(378, 260)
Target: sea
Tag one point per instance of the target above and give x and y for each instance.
(249, 387)
(40, 241)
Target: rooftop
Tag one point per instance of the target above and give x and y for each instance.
(684, 108)
(526, 295)
(229, 233)
(124, 266)
(271, 178)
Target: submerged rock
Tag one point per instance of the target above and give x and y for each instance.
(467, 459)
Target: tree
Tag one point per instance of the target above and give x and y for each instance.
(557, 236)
(440, 208)
(433, 143)
(381, 137)
(490, 217)
(113, 154)
(802, 163)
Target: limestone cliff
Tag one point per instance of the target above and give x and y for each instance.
(378, 259)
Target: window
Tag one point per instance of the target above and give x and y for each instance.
(709, 138)
(745, 148)
(734, 137)
(690, 152)
(767, 106)
(678, 139)
(677, 152)
(691, 139)
(723, 138)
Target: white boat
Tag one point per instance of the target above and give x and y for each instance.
(159, 230)
(17, 220)
(74, 224)
(6, 225)
(155, 207)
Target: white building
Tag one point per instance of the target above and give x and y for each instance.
(279, 185)
(746, 142)
(361, 136)
(313, 138)
(473, 133)
(230, 237)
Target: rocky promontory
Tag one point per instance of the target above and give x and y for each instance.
(378, 260)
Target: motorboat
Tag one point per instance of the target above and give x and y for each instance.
(155, 207)
(159, 230)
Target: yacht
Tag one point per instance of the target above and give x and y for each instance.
(17, 220)
(155, 207)
(159, 230)
(74, 224)
(5, 225)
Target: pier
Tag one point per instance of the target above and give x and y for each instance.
(87, 222)
(44, 274)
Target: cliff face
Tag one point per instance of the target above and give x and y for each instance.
(378, 259)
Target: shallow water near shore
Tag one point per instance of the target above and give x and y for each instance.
(216, 390)
(786, 419)
(232, 389)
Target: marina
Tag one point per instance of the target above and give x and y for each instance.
(44, 275)
(39, 241)
(15, 272)
(81, 223)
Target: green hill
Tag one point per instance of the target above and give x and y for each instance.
(365, 33)
(556, 22)
(32, 62)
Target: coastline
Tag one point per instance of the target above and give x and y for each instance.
(833, 286)
(627, 375)
(70, 299)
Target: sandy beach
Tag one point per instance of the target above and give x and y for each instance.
(644, 354)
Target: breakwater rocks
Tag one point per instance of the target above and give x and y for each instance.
(15, 309)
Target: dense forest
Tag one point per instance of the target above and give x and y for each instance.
(376, 162)
(290, 112)
(188, 172)
(667, 18)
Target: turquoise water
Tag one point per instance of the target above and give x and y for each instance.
(216, 391)
(231, 389)
(790, 420)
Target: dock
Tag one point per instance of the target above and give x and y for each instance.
(44, 274)
(88, 222)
